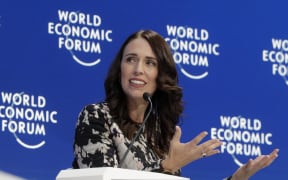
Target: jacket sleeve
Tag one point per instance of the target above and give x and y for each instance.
(93, 146)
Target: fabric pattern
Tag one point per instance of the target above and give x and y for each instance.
(99, 142)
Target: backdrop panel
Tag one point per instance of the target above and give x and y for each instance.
(231, 57)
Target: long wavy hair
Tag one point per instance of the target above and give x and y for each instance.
(167, 99)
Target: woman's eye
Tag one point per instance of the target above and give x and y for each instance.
(151, 63)
(131, 59)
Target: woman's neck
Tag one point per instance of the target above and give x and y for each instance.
(137, 111)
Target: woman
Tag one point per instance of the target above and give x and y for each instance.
(144, 64)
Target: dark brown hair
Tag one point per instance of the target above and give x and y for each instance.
(167, 99)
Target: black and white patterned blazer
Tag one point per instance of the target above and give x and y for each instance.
(99, 142)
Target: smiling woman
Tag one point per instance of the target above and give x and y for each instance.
(144, 64)
(105, 131)
(139, 71)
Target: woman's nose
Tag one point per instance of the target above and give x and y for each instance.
(139, 68)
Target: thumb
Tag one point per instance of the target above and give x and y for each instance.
(177, 134)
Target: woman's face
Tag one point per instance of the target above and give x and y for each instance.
(139, 69)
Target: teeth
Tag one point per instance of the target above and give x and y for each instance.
(137, 82)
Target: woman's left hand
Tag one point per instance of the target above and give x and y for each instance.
(181, 154)
(253, 166)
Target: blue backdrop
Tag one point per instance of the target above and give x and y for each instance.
(232, 59)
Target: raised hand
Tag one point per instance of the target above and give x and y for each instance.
(181, 154)
(253, 166)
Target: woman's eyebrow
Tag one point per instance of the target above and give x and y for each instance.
(131, 54)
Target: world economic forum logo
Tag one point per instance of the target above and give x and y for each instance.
(278, 57)
(242, 137)
(191, 50)
(26, 117)
(81, 34)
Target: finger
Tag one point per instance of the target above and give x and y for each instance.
(209, 148)
(260, 160)
(177, 134)
(248, 164)
(213, 152)
(198, 138)
(274, 153)
(211, 144)
(271, 157)
(266, 160)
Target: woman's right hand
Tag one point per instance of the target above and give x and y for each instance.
(181, 154)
